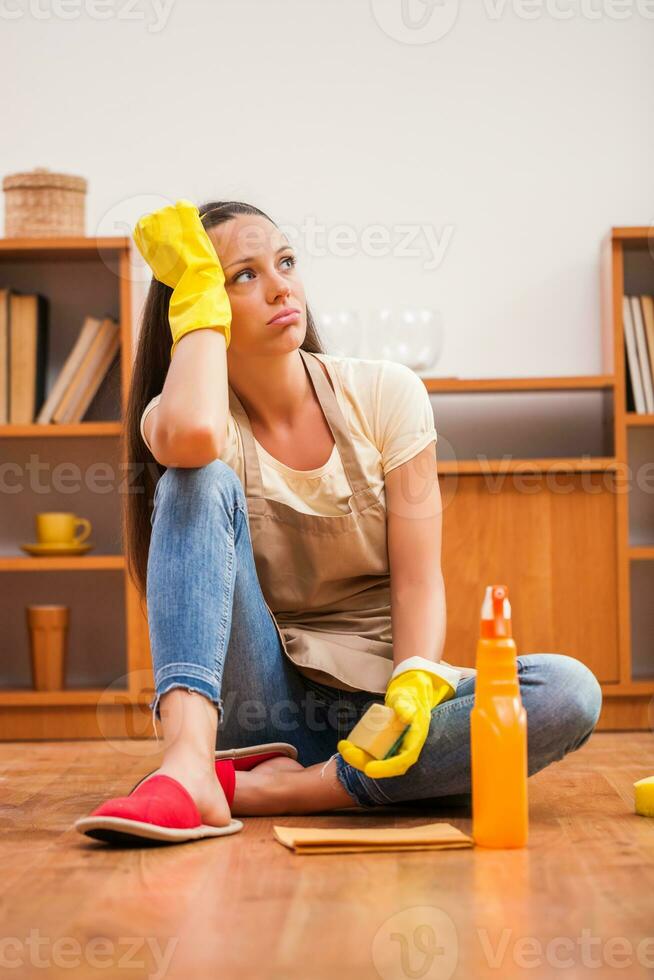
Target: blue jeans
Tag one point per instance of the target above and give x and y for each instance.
(211, 633)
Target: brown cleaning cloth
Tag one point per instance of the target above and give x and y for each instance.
(343, 840)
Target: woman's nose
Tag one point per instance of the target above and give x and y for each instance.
(279, 288)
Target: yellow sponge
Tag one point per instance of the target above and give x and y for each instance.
(644, 792)
(378, 731)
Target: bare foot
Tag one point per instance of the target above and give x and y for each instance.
(257, 791)
(205, 789)
(279, 762)
(267, 791)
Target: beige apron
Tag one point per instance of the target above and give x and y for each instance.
(325, 580)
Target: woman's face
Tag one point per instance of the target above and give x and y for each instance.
(261, 279)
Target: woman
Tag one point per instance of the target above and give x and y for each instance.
(296, 518)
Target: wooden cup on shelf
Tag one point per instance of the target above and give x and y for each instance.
(48, 630)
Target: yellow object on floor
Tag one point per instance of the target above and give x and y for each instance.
(644, 796)
(342, 840)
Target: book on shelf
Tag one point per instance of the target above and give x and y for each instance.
(84, 340)
(25, 354)
(92, 368)
(630, 401)
(97, 373)
(633, 362)
(647, 306)
(24, 347)
(643, 356)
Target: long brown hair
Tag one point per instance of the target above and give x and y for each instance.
(151, 362)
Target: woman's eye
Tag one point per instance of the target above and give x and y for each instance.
(287, 258)
(237, 277)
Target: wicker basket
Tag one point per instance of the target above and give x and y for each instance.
(42, 204)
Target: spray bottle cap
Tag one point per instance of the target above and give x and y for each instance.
(496, 613)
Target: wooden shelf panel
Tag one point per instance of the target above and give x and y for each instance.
(60, 249)
(633, 418)
(641, 552)
(15, 697)
(641, 233)
(578, 382)
(33, 431)
(634, 689)
(61, 563)
(563, 465)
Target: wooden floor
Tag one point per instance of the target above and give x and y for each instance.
(579, 901)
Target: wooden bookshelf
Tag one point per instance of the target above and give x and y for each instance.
(576, 564)
(95, 586)
(627, 268)
(553, 525)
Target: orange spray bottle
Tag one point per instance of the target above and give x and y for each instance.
(498, 732)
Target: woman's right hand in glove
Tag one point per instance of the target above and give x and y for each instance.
(175, 244)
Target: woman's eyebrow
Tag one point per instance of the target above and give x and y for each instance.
(251, 258)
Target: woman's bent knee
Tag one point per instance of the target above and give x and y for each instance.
(204, 482)
(572, 698)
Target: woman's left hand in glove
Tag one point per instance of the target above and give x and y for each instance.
(412, 695)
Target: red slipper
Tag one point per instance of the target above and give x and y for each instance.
(159, 810)
(251, 756)
(243, 760)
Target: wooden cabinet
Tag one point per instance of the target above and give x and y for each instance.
(77, 468)
(573, 538)
(553, 542)
(627, 269)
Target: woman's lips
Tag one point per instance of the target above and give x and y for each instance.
(280, 321)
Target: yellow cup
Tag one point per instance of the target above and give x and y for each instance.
(58, 527)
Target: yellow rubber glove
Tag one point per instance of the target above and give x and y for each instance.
(174, 243)
(412, 695)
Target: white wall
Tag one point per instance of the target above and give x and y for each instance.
(518, 142)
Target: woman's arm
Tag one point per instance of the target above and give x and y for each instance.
(190, 420)
(413, 505)
(414, 528)
(191, 417)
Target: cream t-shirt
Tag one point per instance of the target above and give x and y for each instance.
(390, 418)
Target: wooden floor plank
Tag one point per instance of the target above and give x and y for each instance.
(577, 902)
